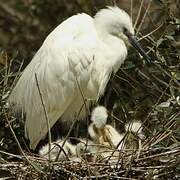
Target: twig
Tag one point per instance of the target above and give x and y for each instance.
(60, 147)
(13, 155)
(17, 76)
(176, 151)
(162, 174)
(150, 33)
(174, 116)
(12, 12)
(125, 80)
(142, 21)
(139, 13)
(46, 117)
(87, 120)
(161, 138)
(70, 173)
(122, 141)
(157, 102)
(19, 146)
(6, 75)
(131, 11)
(71, 128)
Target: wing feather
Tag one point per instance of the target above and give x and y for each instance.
(61, 60)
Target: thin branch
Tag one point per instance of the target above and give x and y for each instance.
(12, 155)
(131, 11)
(176, 151)
(19, 146)
(139, 13)
(142, 21)
(71, 128)
(153, 31)
(17, 75)
(46, 117)
(12, 12)
(60, 147)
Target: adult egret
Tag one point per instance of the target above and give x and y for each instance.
(74, 63)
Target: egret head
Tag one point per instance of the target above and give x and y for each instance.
(114, 21)
(117, 22)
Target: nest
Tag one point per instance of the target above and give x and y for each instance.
(153, 163)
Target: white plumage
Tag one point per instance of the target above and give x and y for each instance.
(105, 139)
(101, 132)
(69, 150)
(135, 127)
(99, 116)
(78, 55)
(105, 134)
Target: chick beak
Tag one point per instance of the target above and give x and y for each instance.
(135, 44)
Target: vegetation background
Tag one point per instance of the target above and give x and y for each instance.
(137, 92)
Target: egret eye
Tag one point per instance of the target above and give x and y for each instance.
(125, 30)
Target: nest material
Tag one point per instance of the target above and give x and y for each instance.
(153, 163)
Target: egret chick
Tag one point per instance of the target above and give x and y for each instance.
(68, 150)
(99, 119)
(134, 135)
(115, 137)
(136, 128)
(102, 133)
(86, 150)
(97, 127)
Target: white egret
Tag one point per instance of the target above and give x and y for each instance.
(75, 60)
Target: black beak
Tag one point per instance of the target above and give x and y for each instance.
(135, 43)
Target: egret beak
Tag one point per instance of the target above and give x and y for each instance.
(135, 44)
